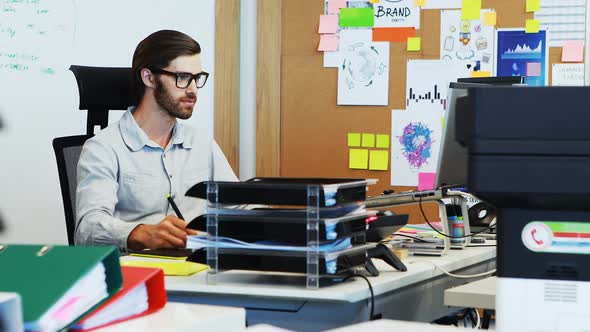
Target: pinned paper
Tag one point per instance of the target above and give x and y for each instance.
(354, 139)
(481, 74)
(489, 19)
(368, 140)
(420, 3)
(414, 44)
(426, 181)
(470, 9)
(328, 24)
(335, 5)
(379, 160)
(399, 35)
(533, 5)
(532, 26)
(328, 42)
(357, 17)
(533, 69)
(358, 158)
(573, 51)
(383, 141)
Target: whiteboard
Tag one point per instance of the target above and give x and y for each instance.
(39, 40)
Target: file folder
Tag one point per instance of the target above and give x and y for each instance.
(54, 281)
(131, 301)
(11, 315)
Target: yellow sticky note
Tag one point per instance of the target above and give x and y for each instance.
(470, 9)
(481, 74)
(414, 44)
(379, 160)
(368, 141)
(532, 26)
(489, 19)
(354, 139)
(374, 1)
(420, 3)
(358, 158)
(533, 5)
(173, 268)
(383, 141)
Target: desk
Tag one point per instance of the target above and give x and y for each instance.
(282, 299)
(397, 325)
(477, 294)
(183, 317)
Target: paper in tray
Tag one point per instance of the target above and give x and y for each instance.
(285, 191)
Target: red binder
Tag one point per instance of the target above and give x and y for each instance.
(133, 278)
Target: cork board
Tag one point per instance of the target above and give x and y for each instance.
(314, 128)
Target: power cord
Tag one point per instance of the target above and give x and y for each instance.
(372, 310)
(411, 237)
(459, 276)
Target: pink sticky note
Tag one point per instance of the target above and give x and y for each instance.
(533, 69)
(328, 42)
(573, 51)
(335, 5)
(426, 181)
(328, 24)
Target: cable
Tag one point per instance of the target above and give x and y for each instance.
(411, 237)
(459, 276)
(446, 235)
(372, 310)
(478, 319)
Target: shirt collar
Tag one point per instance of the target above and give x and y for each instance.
(135, 138)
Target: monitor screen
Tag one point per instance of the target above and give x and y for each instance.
(452, 162)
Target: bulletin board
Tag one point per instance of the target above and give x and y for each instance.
(313, 133)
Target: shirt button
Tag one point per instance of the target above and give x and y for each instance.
(163, 155)
(170, 176)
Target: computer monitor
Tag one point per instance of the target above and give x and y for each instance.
(452, 162)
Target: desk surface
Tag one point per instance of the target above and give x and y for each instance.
(477, 294)
(291, 286)
(397, 325)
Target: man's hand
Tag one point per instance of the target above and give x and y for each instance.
(169, 233)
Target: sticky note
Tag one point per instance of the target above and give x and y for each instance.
(374, 1)
(481, 74)
(533, 5)
(335, 5)
(414, 44)
(532, 26)
(399, 35)
(470, 9)
(573, 51)
(426, 181)
(533, 69)
(368, 140)
(357, 17)
(328, 42)
(489, 19)
(328, 24)
(358, 158)
(172, 268)
(383, 141)
(354, 139)
(379, 160)
(419, 3)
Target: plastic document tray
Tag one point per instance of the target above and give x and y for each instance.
(284, 225)
(330, 263)
(286, 191)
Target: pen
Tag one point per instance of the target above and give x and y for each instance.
(174, 207)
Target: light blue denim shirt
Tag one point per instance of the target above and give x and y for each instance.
(123, 179)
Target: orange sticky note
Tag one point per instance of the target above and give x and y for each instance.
(573, 51)
(378, 160)
(414, 44)
(532, 26)
(328, 24)
(489, 19)
(420, 3)
(533, 5)
(358, 158)
(399, 35)
(481, 74)
(328, 42)
(470, 9)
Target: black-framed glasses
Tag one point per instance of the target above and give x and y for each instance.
(183, 80)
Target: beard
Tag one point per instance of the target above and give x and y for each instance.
(173, 107)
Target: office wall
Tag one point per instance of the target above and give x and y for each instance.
(39, 99)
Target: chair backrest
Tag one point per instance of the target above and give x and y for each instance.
(67, 152)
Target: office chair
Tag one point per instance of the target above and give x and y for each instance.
(101, 89)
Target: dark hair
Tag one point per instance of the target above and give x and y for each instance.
(157, 51)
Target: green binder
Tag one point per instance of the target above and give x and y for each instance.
(43, 275)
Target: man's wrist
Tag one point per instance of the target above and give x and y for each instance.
(135, 238)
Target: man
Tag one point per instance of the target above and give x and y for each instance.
(127, 169)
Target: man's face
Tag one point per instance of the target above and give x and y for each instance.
(178, 102)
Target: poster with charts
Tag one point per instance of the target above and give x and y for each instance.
(415, 145)
(427, 83)
(522, 54)
(468, 41)
(363, 74)
(396, 13)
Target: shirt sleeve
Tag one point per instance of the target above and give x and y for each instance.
(96, 198)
